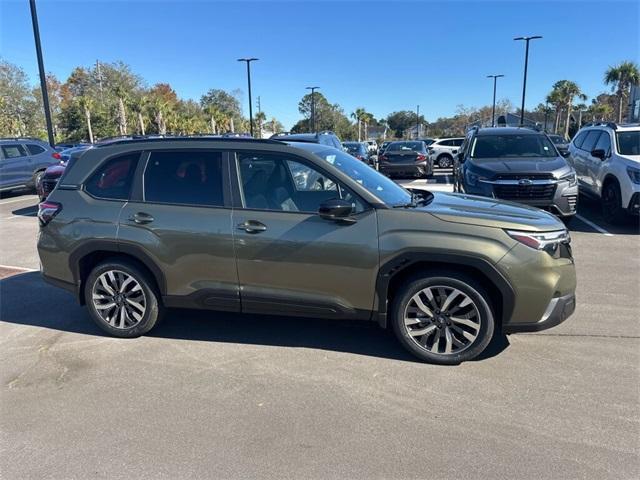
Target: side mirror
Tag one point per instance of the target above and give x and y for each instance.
(460, 157)
(564, 153)
(337, 210)
(599, 153)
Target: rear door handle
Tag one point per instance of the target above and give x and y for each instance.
(141, 218)
(252, 226)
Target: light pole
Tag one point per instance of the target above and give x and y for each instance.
(248, 61)
(493, 110)
(313, 107)
(43, 78)
(526, 63)
(417, 122)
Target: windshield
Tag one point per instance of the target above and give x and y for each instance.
(382, 187)
(405, 147)
(498, 146)
(352, 147)
(628, 142)
(557, 139)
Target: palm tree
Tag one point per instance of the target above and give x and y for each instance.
(366, 118)
(87, 104)
(621, 77)
(259, 119)
(121, 95)
(357, 115)
(555, 99)
(565, 92)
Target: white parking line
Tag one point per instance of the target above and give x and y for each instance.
(21, 269)
(594, 226)
(34, 214)
(28, 199)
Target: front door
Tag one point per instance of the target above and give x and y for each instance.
(290, 260)
(181, 219)
(13, 165)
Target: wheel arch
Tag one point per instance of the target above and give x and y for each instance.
(83, 259)
(393, 273)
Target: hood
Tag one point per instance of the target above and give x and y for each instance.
(55, 171)
(518, 165)
(488, 212)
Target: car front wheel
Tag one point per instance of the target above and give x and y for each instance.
(612, 210)
(445, 161)
(122, 299)
(443, 317)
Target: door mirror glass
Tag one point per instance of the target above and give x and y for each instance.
(335, 209)
(598, 153)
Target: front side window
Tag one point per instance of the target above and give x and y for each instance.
(628, 142)
(113, 179)
(13, 151)
(603, 143)
(184, 178)
(579, 140)
(276, 182)
(590, 140)
(500, 146)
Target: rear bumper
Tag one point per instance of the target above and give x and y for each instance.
(558, 310)
(406, 169)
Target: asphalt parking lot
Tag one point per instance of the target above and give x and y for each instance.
(238, 396)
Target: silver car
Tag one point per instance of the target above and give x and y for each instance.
(23, 161)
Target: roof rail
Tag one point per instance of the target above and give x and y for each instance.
(188, 139)
(611, 125)
(23, 138)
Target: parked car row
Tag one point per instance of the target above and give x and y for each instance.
(23, 162)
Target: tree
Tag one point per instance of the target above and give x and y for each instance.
(401, 121)
(621, 77)
(259, 120)
(15, 100)
(358, 116)
(563, 93)
(226, 107)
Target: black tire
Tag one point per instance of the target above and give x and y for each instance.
(454, 280)
(445, 161)
(36, 178)
(612, 209)
(154, 308)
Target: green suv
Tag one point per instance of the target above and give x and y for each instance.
(302, 229)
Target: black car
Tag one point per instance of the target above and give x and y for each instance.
(518, 164)
(358, 150)
(383, 147)
(561, 143)
(323, 138)
(406, 159)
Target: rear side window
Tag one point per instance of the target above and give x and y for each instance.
(34, 149)
(184, 178)
(113, 179)
(13, 151)
(590, 140)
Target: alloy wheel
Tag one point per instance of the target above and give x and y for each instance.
(119, 299)
(442, 320)
(444, 162)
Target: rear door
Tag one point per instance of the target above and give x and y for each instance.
(290, 260)
(586, 160)
(14, 165)
(180, 215)
(595, 166)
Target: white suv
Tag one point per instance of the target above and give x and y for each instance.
(443, 150)
(606, 158)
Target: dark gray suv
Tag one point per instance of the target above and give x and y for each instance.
(262, 226)
(518, 164)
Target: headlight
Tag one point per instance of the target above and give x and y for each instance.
(634, 174)
(471, 178)
(541, 240)
(572, 178)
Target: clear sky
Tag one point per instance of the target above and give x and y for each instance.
(382, 55)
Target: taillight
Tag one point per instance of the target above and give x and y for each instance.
(420, 158)
(48, 210)
(56, 155)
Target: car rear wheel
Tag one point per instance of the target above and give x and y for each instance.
(445, 161)
(37, 177)
(443, 317)
(122, 299)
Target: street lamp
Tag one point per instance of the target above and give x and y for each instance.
(493, 110)
(249, 60)
(43, 78)
(526, 62)
(313, 107)
(417, 122)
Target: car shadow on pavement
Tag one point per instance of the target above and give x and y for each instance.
(31, 211)
(27, 300)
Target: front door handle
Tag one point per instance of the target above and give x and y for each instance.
(252, 226)
(141, 218)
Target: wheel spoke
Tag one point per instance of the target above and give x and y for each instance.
(420, 304)
(106, 286)
(467, 322)
(124, 284)
(452, 296)
(104, 306)
(449, 339)
(422, 331)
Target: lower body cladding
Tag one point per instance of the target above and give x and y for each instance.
(557, 198)
(414, 169)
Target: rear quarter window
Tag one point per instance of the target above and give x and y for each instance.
(34, 149)
(113, 180)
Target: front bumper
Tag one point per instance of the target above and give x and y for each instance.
(558, 310)
(558, 197)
